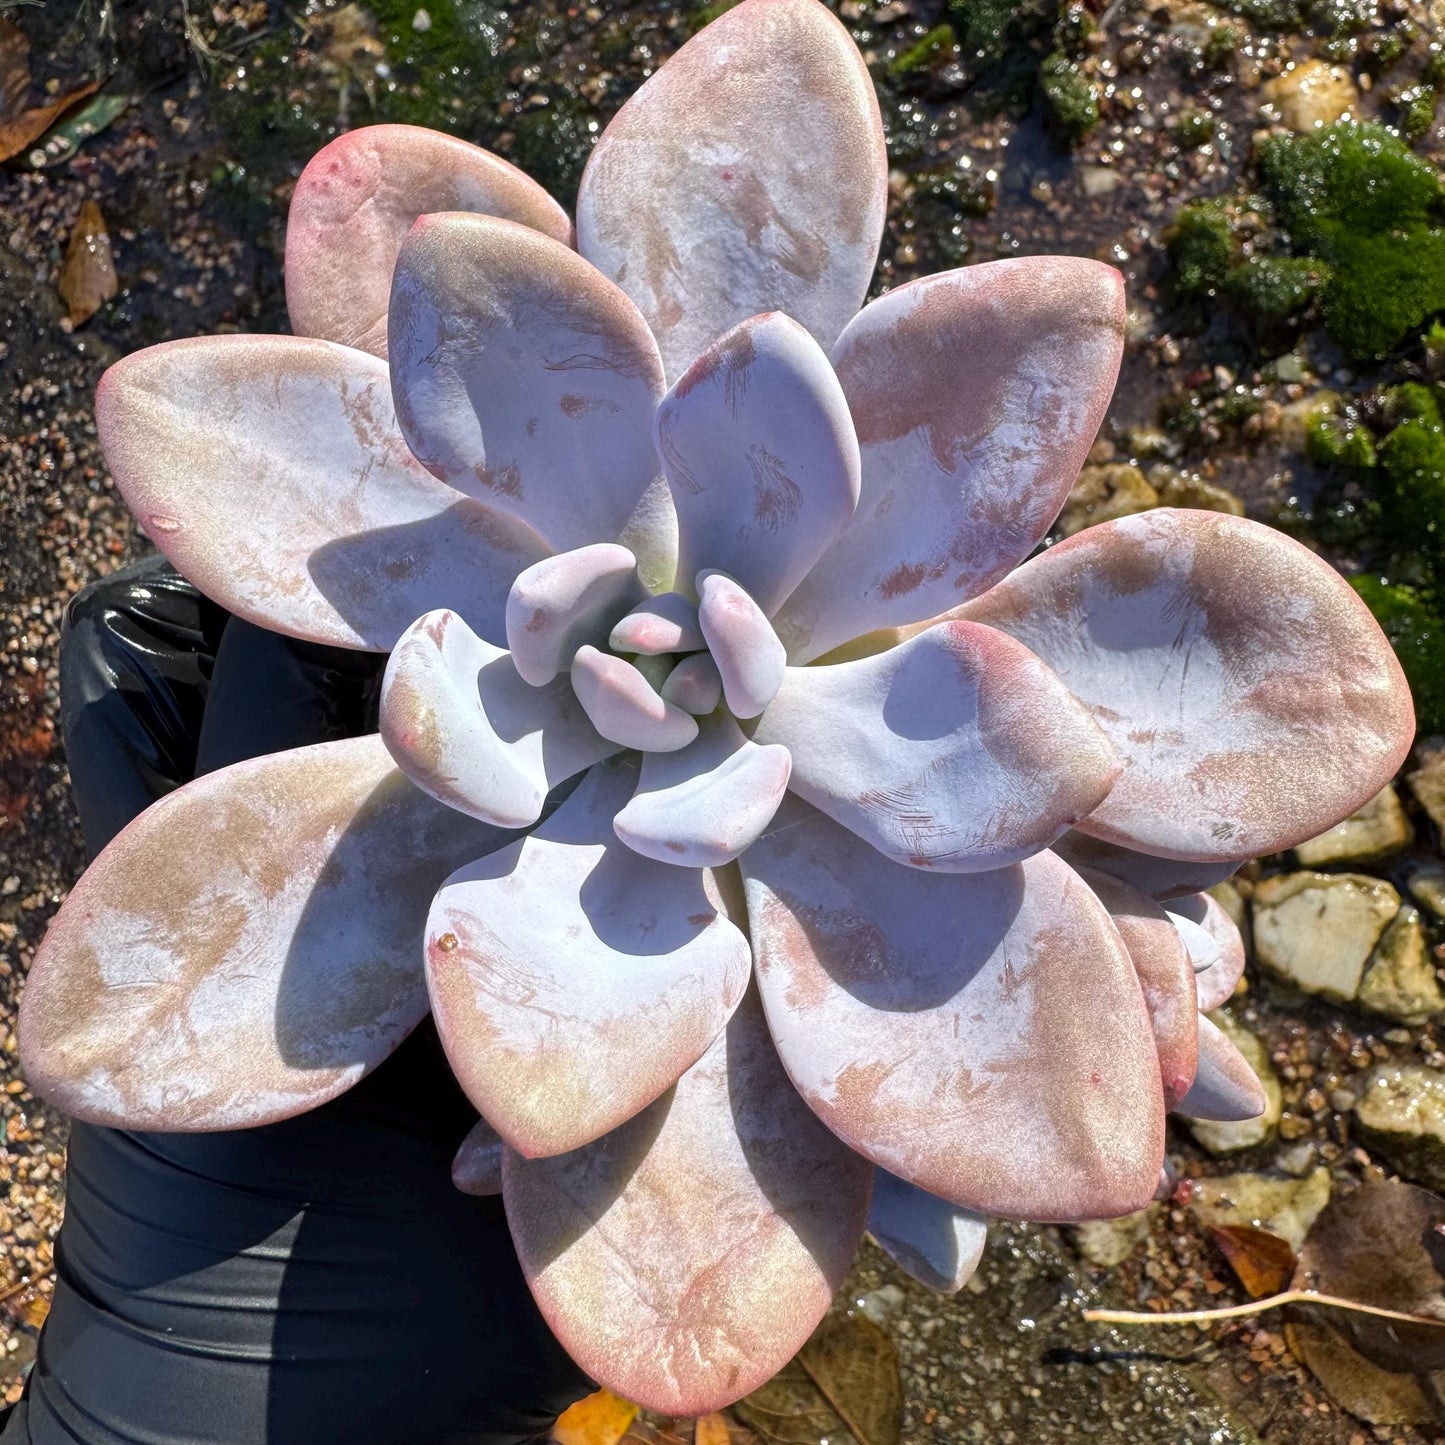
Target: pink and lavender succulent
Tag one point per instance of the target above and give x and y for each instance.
(849, 899)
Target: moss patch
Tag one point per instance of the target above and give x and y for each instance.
(1416, 629)
(1202, 247)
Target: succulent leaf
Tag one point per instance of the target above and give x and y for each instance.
(686, 1257)
(270, 471)
(563, 602)
(760, 453)
(526, 379)
(1225, 1088)
(1165, 973)
(625, 707)
(936, 1242)
(749, 658)
(1161, 878)
(477, 1169)
(464, 727)
(694, 685)
(694, 206)
(572, 979)
(976, 395)
(247, 948)
(702, 806)
(661, 624)
(958, 750)
(1252, 697)
(937, 1024)
(1215, 946)
(357, 199)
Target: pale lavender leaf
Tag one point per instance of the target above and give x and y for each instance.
(357, 199)
(477, 1169)
(701, 806)
(1161, 878)
(936, 1242)
(759, 451)
(976, 394)
(665, 623)
(247, 948)
(1165, 973)
(271, 472)
(561, 603)
(957, 750)
(684, 1259)
(525, 378)
(1225, 1088)
(982, 1035)
(1252, 697)
(750, 660)
(467, 729)
(695, 685)
(748, 174)
(625, 707)
(1215, 946)
(573, 980)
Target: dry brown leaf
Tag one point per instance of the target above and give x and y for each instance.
(711, 1430)
(1383, 1245)
(88, 279)
(788, 1410)
(1263, 1261)
(17, 133)
(855, 1366)
(600, 1419)
(1376, 1396)
(14, 69)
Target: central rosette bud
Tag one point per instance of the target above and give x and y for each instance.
(597, 665)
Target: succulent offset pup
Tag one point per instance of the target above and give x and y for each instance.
(777, 846)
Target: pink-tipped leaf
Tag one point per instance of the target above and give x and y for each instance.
(248, 948)
(760, 454)
(477, 1168)
(625, 707)
(665, 623)
(983, 1036)
(525, 378)
(467, 729)
(976, 395)
(684, 1259)
(749, 658)
(357, 199)
(749, 174)
(1165, 973)
(702, 806)
(572, 979)
(957, 750)
(564, 602)
(1251, 696)
(694, 685)
(270, 471)
(1215, 946)
(1225, 1088)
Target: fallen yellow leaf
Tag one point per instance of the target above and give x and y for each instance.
(600, 1419)
(711, 1430)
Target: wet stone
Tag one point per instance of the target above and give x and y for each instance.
(1400, 981)
(1280, 1204)
(1427, 779)
(1377, 830)
(1427, 886)
(1107, 1242)
(1230, 1138)
(1105, 493)
(1184, 489)
(1317, 931)
(1401, 1116)
(1311, 94)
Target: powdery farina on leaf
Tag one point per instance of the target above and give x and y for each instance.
(619, 516)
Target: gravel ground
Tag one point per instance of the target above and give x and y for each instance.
(193, 181)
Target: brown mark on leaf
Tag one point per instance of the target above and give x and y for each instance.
(777, 498)
(507, 480)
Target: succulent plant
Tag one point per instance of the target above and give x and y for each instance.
(771, 837)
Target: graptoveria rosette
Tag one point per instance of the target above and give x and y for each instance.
(674, 515)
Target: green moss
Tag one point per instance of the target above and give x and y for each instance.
(1268, 14)
(1416, 107)
(933, 49)
(1194, 128)
(1071, 101)
(1222, 44)
(1413, 622)
(1341, 17)
(1274, 288)
(1413, 401)
(1339, 441)
(1201, 246)
(985, 28)
(1072, 30)
(960, 189)
(1356, 197)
